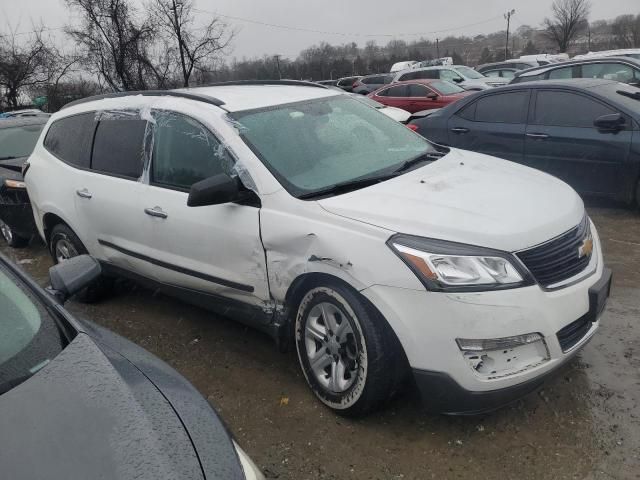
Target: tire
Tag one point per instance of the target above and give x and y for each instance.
(12, 238)
(64, 244)
(352, 361)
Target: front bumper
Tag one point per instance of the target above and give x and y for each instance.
(428, 324)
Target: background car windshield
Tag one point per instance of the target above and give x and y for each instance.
(446, 88)
(469, 72)
(29, 337)
(18, 141)
(311, 146)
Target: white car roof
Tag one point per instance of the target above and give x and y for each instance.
(248, 97)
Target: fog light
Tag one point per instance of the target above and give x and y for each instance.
(495, 358)
(469, 345)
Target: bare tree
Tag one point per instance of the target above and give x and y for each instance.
(569, 16)
(24, 65)
(195, 50)
(626, 31)
(117, 45)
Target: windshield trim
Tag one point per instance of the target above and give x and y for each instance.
(288, 186)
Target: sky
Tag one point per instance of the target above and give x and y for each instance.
(340, 21)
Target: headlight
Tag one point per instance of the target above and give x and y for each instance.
(251, 472)
(14, 184)
(451, 266)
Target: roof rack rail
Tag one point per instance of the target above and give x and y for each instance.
(299, 83)
(150, 93)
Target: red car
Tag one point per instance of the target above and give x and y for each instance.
(416, 95)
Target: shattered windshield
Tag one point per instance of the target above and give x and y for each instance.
(313, 145)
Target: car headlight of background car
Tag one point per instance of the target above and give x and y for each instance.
(450, 266)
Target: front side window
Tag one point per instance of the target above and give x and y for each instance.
(19, 141)
(450, 76)
(398, 91)
(30, 338)
(566, 109)
(184, 152)
(314, 145)
(446, 88)
(70, 139)
(508, 107)
(118, 148)
(469, 73)
(418, 90)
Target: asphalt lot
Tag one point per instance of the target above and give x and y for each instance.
(583, 424)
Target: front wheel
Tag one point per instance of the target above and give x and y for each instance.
(348, 354)
(12, 238)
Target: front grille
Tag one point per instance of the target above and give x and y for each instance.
(558, 259)
(570, 335)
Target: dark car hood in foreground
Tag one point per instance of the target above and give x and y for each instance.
(92, 414)
(12, 169)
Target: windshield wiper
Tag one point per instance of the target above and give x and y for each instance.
(348, 186)
(425, 157)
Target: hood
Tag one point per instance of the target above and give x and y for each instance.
(470, 198)
(90, 413)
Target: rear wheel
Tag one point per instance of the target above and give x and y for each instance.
(65, 244)
(348, 354)
(12, 238)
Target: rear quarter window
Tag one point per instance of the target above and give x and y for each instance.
(70, 139)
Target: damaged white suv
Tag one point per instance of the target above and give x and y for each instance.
(310, 215)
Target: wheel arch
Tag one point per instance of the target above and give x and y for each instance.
(50, 220)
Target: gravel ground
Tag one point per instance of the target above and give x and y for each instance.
(585, 423)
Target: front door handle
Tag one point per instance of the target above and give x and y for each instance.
(84, 193)
(156, 212)
(460, 130)
(538, 136)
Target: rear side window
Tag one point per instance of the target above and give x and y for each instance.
(70, 139)
(566, 109)
(561, 73)
(185, 152)
(503, 108)
(611, 71)
(118, 148)
(398, 91)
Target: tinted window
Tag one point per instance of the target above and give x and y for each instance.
(492, 73)
(30, 337)
(18, 141)
(418, 91)
(507, 74)
(503, 108)
(446, 88)
(118, 148)
(560, 73)
(70, 138)
(373, 80)
(567, 109)
(468, 112)
(398, 91)
(185, 152)
(611, 71)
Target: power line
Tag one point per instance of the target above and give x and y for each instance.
(344, 34)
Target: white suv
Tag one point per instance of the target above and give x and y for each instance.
(304, 212)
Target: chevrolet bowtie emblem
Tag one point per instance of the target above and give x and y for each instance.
(586, 248)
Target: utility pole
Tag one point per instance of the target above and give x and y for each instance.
(277, 58)
(507, 17)
(178, 28)
(437, 48)
(589, 37)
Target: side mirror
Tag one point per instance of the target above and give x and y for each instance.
(216, 190)
(612, 122)
(69, 277)
(432, 96)
(458, 79)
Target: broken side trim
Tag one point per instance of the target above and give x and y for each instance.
(175, 268)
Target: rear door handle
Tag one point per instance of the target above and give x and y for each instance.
(84, 193)
(156, 212)
(538, 136)
(460, 130)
